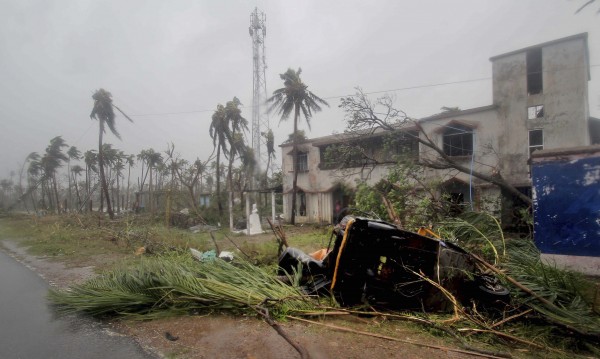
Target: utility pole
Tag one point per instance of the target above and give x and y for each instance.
(260, 119)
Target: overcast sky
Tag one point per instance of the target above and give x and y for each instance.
(169, 63)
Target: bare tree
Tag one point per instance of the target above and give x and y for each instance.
(188, 174)
(364, 116)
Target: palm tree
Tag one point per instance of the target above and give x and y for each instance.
(51, 161)
(238, 125)
(151, 159)
(74, 154)
(90, 158)
(75, 172)
(221, 136)
(270, 142)
(34, 170)
(111, 158)
(103, 112)
(119, 166)
(249, 165)
(130, 162)
(295, 97)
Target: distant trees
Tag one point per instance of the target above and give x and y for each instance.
(294, 97)
(105, 167)
(150, 159)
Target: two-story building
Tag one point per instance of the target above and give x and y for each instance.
(540, 101)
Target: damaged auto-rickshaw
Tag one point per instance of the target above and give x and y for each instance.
(373, 262)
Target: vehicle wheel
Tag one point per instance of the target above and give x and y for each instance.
(491, 291)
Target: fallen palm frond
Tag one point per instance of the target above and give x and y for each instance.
(177, 284)
(563, 288)
(477, 231)
(556, 295)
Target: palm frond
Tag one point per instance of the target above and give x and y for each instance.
(178, 284)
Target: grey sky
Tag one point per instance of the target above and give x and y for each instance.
(174, 61)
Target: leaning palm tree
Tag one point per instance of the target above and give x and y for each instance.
(221, 136)
(295, 97)
(104, 113)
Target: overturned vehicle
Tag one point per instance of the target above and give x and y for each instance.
(374, 263)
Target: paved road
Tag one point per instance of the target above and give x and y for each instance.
(30, 329)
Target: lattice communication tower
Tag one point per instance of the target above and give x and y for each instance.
(260, 118)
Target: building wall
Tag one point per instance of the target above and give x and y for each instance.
(319, 184)
(485, 125)
(564, 97)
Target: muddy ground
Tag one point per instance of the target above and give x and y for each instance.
(222, 336)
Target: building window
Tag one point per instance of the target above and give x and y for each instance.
(302, 162)
(405, 144)
(534, 71)
(458, 141)
(536, 140)
(535, 112)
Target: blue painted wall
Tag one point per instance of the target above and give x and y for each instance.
(567, 206)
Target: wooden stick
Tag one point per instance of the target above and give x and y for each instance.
(344, 329)
(317, 314)
(264, 312)
(236, 246)
(511, 318)
(511, 337)
(215, 242)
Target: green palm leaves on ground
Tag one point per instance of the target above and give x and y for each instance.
(174, 284)
(558, 296)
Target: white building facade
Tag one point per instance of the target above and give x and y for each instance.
(540, 101)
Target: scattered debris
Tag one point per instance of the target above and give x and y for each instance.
(226, 256)
(203, 256)
(279, 236)
(171, 337)
(203, 228)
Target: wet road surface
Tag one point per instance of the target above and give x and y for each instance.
(30, 329)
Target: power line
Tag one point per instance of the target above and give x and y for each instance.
(332, 97)
(366, 93)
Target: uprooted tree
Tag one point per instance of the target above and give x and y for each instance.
(365, 117)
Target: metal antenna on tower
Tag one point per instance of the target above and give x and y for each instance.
(260, 119)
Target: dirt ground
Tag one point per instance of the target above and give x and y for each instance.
(222, 336)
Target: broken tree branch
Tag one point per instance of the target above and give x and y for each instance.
(264, 313)
(380, 336)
